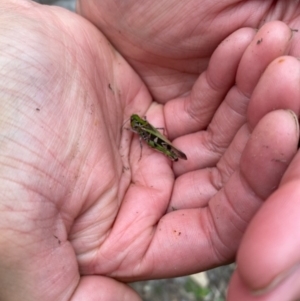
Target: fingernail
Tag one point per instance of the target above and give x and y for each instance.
(295, 117)
(275, 282)
(293, 31)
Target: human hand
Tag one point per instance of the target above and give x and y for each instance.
(65, 166)
(169, 43)
(179, 38)
(75, 195)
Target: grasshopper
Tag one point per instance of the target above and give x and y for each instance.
(154, 138)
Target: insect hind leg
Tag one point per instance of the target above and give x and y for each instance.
(141, 145)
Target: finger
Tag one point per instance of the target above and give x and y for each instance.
(271, 41)
(98, 288)
(212, 234)
(273, 260)
(281, 132)
(196, 109)
(278, 88)
(239, 291)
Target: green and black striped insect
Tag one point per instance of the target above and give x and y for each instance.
(154, 138)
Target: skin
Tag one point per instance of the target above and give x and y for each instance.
(80, 214)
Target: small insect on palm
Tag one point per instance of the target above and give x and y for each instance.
(154, 138)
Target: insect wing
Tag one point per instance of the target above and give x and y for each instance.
(179, 154)
(163, 145)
